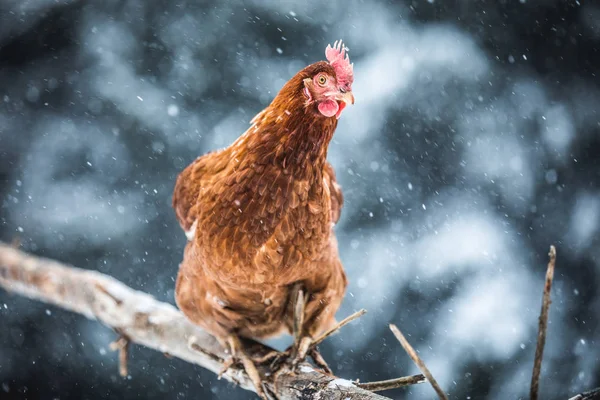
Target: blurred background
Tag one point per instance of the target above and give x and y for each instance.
(473, 145)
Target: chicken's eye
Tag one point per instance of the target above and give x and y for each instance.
(322, 80)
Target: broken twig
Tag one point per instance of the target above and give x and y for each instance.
(122, 345)
(415, 357)
(338, 326)
(543, 326)
(389, 384)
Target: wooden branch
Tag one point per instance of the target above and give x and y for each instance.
(338, 326)
(122, 346)
(591, 395)
(380, 386)
(543, 326)
(415, 357)
(141, 319)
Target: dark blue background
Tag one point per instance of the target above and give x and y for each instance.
(472, 146)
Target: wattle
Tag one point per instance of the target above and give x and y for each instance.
(329, 108)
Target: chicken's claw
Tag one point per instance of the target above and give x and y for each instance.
(300, 351)
(228, 363)
(319, 360)
(303, 345)
(285, 361)
(239, 356)
(307, 348)
(288, 361)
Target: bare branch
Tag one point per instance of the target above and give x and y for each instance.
(415, 357)
(338, 326)
(389, 384)
(141, 319)
(121, 345)
(591, 395)
(543, 326)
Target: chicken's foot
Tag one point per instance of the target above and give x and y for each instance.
(298, 325)
(303, 343)
(309, 346)
(318, 359)
(238, 355)
(313, 351)
(299, 349)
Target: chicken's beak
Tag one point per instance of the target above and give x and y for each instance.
(343, 99)
(346, 97)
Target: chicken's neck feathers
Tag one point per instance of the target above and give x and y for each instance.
(290, 138)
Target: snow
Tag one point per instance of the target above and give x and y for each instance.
(306, 369)
(340, 383)
(173, 110)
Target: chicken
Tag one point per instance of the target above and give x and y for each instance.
(259, 219)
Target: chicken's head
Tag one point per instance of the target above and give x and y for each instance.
(331, 88)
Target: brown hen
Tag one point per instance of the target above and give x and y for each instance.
(259, 218)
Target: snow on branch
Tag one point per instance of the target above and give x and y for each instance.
(139, 318)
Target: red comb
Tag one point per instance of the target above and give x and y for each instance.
(340, 62)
